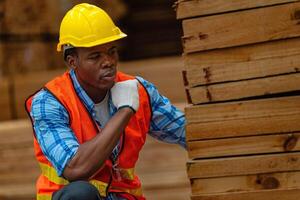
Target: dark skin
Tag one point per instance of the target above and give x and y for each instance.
(95, 69)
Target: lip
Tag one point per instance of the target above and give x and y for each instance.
(109, 76)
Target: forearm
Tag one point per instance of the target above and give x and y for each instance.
(92, 154)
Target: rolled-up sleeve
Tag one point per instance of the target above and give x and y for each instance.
(167, 123)
(52, 130)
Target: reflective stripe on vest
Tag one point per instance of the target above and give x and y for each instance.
(52, 176)
(44, 196)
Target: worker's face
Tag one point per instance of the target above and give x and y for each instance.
(97, 66)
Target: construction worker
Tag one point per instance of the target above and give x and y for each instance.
(91, 122)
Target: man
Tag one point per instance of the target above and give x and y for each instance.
(91, 122)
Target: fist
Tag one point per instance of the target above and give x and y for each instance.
(125, 94)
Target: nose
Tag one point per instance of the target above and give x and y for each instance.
(108, 61)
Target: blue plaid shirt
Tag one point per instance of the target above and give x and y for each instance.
(58, 142)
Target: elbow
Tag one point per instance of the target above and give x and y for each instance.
(76, 173)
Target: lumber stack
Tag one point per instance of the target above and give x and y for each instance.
(242, 78)
(18, 170)
(28, 35)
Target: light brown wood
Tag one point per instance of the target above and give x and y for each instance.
(5, 99)
(244, 118)
(17, 191)
(192, 8)
(26, 85)
(245, 62)
(244, 89)
(240, 28)
(289, 194)
(2, 26)
(14, 132)
(31, 56)
(243, 165)
(242, 127)
(249, 183)
(244, 145)
(243, 109)
(33, 16)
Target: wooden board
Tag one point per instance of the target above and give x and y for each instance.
(18, 191)
(244, 145)
(240, 28)
(15, 132)
(5, 99)
(27, 57)
(33, 16)
(25, 85)
(1, 59)
(240, 63)
(163, 72)
(243, 165)
(2, 5)
(289, 194)
(188, 8)
(249, 183)
(244, 89)
(17, 144)
(167, 174)
(244, 118)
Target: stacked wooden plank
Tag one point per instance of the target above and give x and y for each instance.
(242, 76)
(18, 170)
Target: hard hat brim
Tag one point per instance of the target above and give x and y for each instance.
(94, 43)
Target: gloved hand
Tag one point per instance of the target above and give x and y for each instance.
(125, 94)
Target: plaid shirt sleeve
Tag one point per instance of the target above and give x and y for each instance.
(52, 130)
(168, 123)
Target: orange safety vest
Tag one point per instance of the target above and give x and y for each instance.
(127, 184)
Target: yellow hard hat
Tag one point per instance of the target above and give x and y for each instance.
(86, 25)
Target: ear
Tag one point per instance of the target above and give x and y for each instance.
(72, 61)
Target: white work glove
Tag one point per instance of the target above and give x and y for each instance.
(125, 94)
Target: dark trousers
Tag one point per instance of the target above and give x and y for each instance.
(78, 190)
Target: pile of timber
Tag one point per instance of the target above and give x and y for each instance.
(242, 78)
(18, 170)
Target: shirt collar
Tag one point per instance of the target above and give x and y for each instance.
(81, 93)
(88, 102)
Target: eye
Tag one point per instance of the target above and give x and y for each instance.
(94, 57)
(112, 51)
